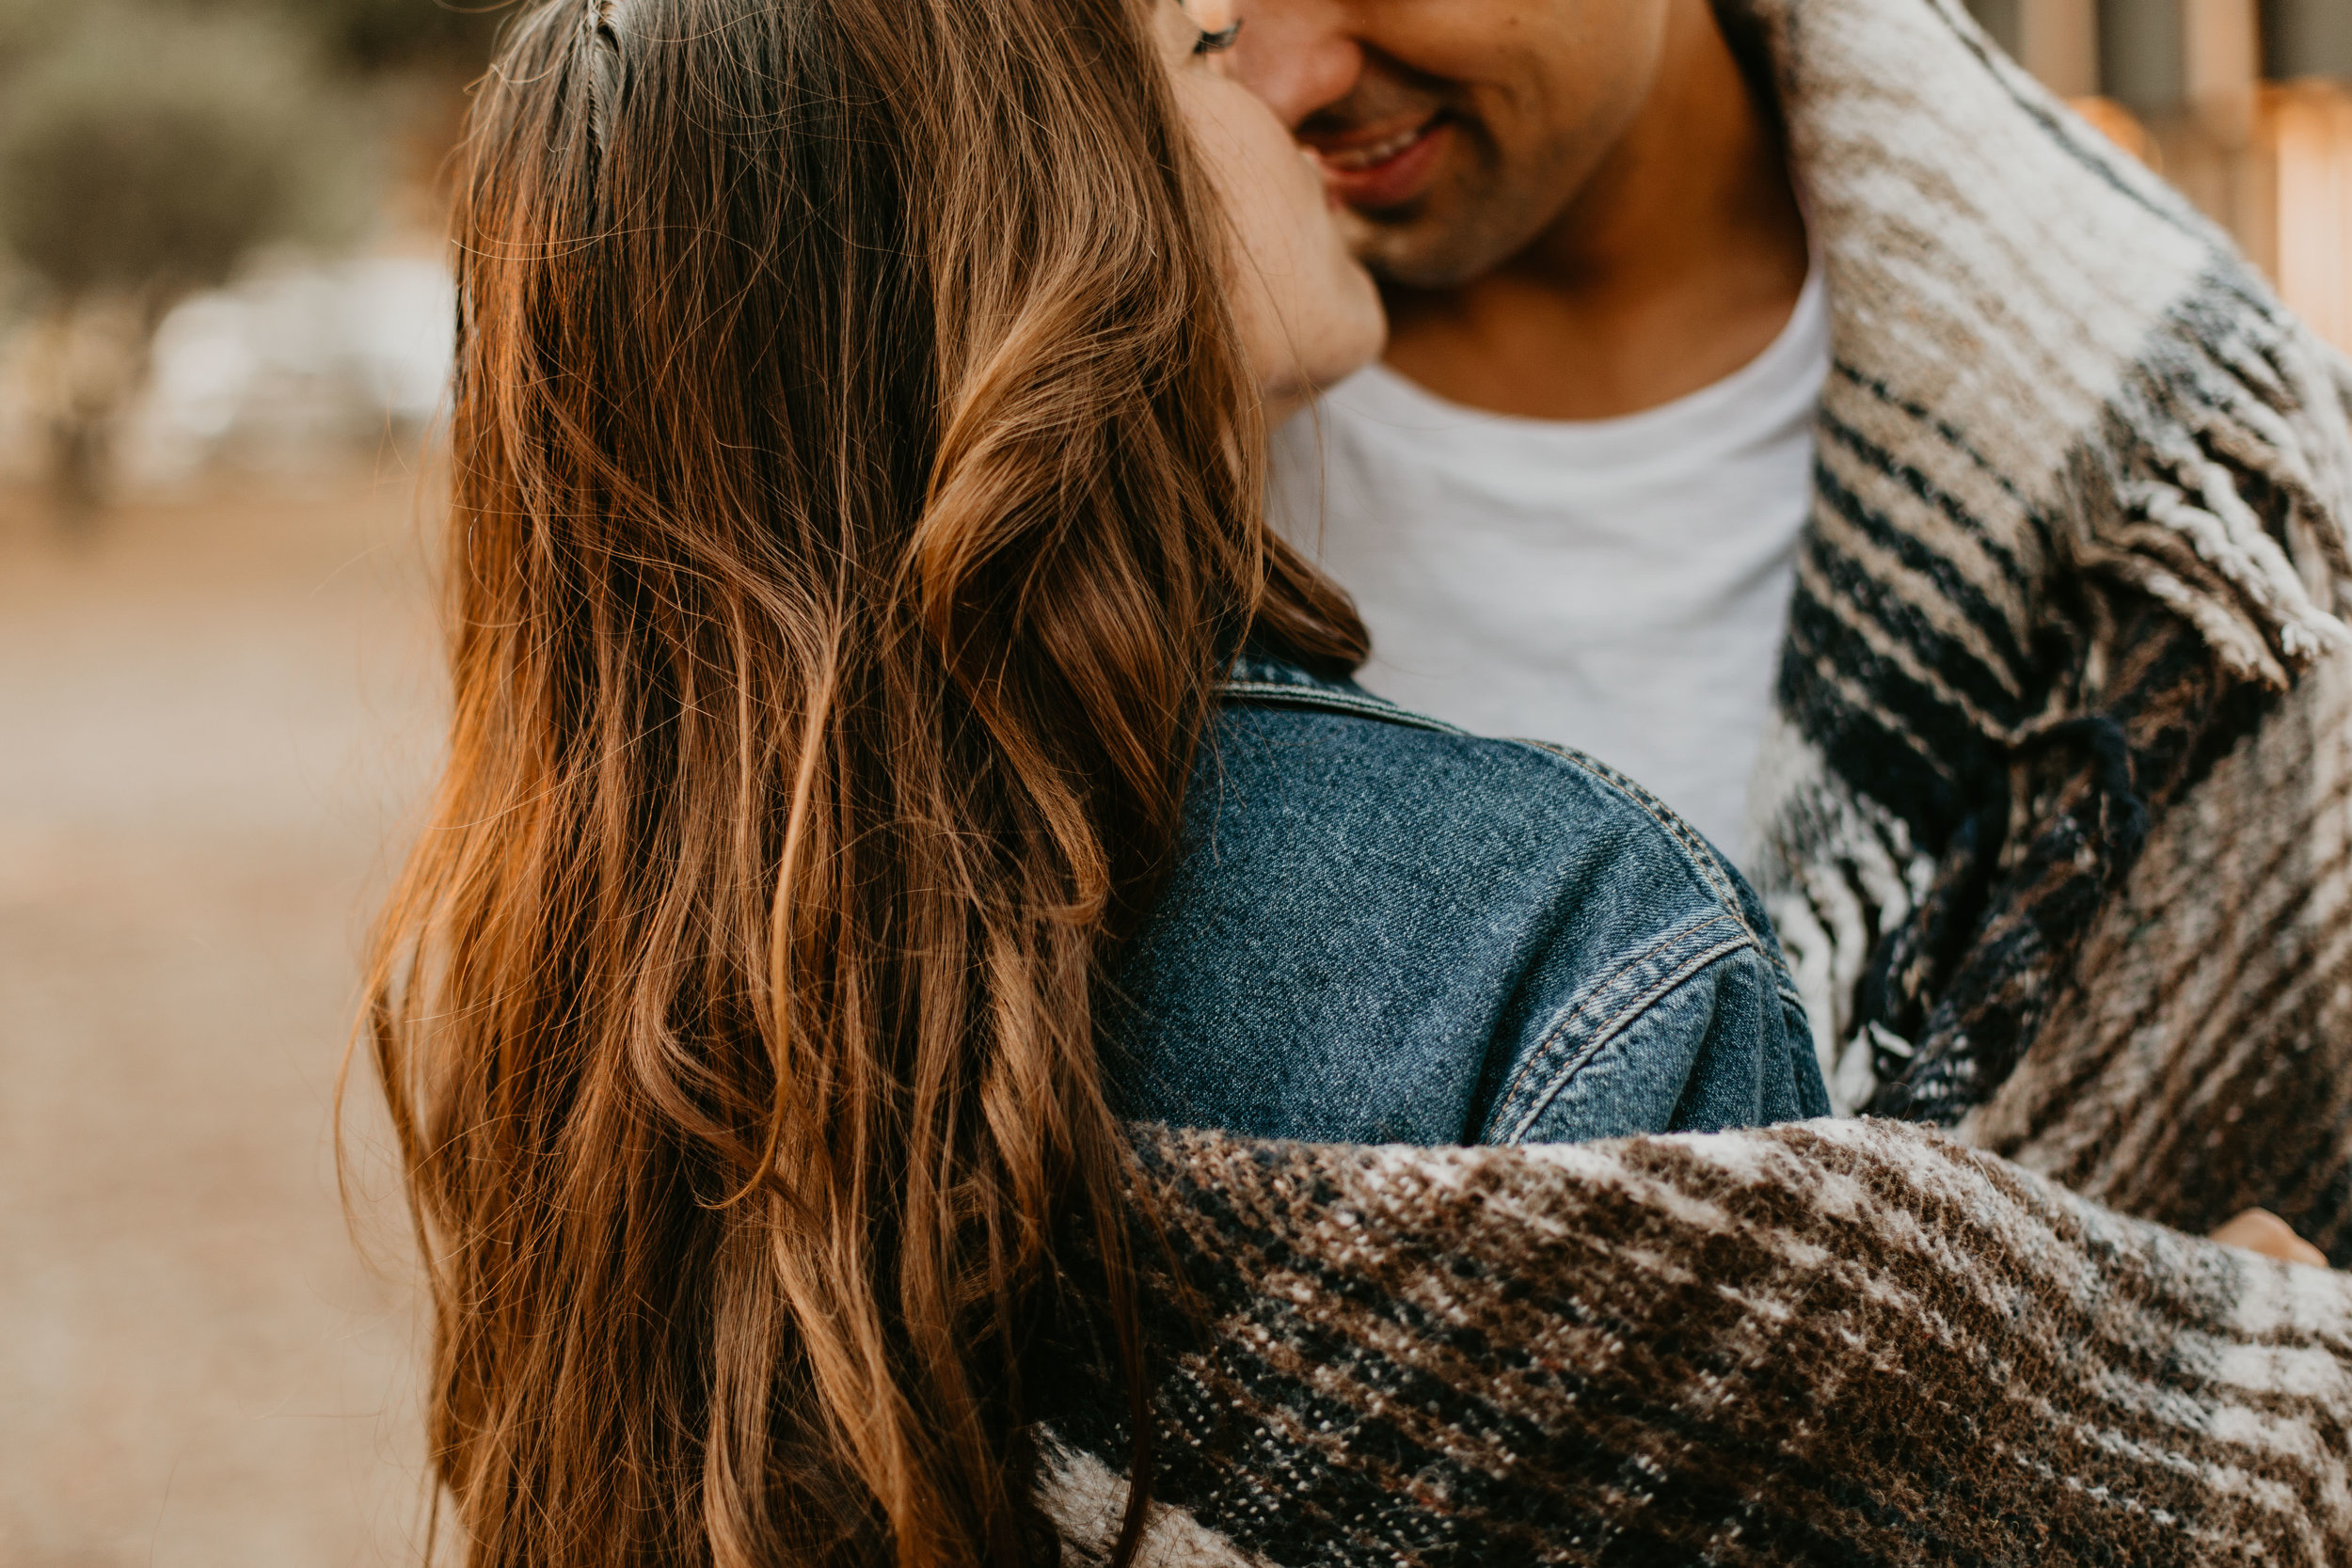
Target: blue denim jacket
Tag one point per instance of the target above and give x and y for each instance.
(1381, 929)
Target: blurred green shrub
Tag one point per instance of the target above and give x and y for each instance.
(143, 155)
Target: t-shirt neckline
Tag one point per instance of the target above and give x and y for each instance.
(1789, 367)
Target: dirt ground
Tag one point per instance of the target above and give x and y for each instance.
(214, 721)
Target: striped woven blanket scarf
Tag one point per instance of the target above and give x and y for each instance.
(2053, 822)
(2052, 815)
(1839, 1342)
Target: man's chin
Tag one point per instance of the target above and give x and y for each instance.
(1450, 237)
(1418, 250)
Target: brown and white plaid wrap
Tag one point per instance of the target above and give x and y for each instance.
(1836, 1342)
(2053, 818)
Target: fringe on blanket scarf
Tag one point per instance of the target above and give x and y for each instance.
(1835, 1343)
(2218, 484)
(2079, 534)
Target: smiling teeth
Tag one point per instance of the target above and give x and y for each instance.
(1356, 159)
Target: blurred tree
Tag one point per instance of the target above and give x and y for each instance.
(376, 35)
(144, 155)
(379, 34)
(27, 26)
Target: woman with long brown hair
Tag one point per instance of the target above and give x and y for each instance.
(889, 750)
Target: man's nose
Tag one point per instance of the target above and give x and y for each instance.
(1299, 55)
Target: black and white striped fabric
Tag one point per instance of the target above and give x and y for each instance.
(2053, 816)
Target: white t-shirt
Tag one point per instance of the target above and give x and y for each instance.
(1617, 585)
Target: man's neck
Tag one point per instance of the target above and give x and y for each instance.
(1679, 262)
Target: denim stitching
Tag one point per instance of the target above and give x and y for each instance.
(1618, 1025)
(1704, 860)
(1275, 693)
(1708, 864)
(1696, 851)
(1596, 995)
(1703, 857)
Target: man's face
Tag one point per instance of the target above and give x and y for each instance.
(1455, 131)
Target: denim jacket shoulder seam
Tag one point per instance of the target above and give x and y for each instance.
(1606, 1026)
(1312, 695)
(1282, 694)
(1701, 855)
(1625, 1017)
(1592, 993)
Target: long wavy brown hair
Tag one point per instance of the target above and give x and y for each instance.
(855, 500)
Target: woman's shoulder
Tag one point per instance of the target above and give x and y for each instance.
(1382, 928)
(1377, 765)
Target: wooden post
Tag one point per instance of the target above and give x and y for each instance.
(2191, 71)
(2309, 133)
(2307, 38)
(2221, 65)
(2058, 42)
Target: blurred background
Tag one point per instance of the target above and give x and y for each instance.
(2242, 103)
(224, 332)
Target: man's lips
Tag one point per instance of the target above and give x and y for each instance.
(1386, 170)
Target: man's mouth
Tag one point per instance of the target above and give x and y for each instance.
(1385, 168)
